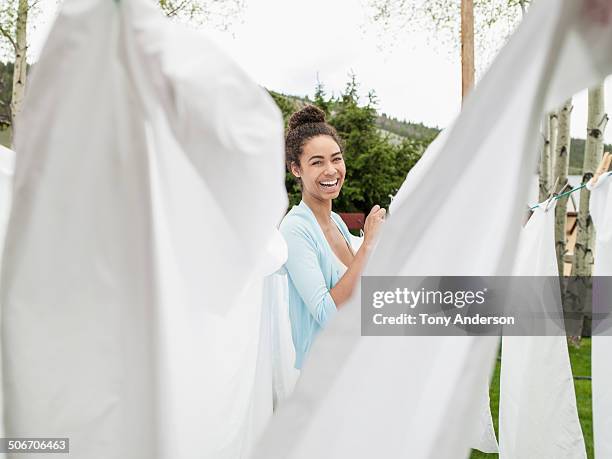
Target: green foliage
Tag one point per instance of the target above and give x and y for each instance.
(6, 84)
(6, 137)
(320, 100)
(376, 164)
(286, 104)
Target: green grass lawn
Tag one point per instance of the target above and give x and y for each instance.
(581, 366)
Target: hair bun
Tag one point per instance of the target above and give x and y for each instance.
(308, 114)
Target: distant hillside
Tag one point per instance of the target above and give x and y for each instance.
(406, 128)
(577, 155)
(420, 131)
(402, 129)
(396, 130)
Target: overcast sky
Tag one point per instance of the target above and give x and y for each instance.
(285, 44)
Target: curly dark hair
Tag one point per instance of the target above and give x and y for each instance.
(305, 124)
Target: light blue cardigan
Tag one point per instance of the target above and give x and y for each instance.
(312, 272)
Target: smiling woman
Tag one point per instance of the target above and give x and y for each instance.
(323, 267)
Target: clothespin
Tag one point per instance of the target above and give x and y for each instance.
(603, 167)
(552, 195)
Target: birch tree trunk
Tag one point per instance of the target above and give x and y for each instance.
(545, 161)
(554, 132)
(19, 71)
(560, 173)
(578, 293)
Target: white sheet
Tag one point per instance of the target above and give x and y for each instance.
(363, 397)
(601, 350)
(149, 179)
(538, 415)
(284, 374)
(7, 166)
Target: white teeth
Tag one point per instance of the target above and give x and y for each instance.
(332, 183)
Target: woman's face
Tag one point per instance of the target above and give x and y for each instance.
(321, 168)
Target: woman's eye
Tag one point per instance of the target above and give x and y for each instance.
(338, 159)
(316, 163)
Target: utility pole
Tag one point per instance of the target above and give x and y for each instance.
(467, 47)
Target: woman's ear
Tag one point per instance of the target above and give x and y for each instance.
(295, 170)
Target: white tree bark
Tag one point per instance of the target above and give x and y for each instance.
(561, 166)
(596, 124)
(578, 290)
(19, 71)
(554, 132)
(546, 160)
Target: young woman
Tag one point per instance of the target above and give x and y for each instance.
(323, 269)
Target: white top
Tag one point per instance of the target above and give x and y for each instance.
(341, 266)
(352, 244)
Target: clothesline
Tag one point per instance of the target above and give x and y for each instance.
(559, 196)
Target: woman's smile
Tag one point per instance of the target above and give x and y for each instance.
(330, 186)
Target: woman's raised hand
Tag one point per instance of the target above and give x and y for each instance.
(372, 224)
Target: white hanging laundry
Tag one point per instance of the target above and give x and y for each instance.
(483, 437)
(601, 345)
(150, 177)
(284, 373)
(363, 397)
(269, 366)
(7, 166)
(538, 415)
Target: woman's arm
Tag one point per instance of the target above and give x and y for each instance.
(305, 273)
(344, 289)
